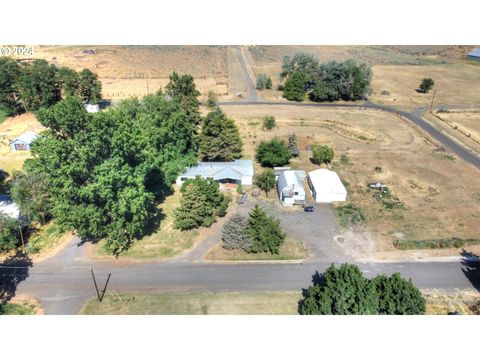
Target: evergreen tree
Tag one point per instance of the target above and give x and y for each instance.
(264, 231)
(234, 233)
(292, 145)
(182, 90)
(220, 138)
(294, 89)
(200, 205)
(398, 296)
(273, 153)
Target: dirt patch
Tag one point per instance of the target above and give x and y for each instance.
(357, 243)
(461, 302)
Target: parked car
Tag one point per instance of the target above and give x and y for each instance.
(309, 209)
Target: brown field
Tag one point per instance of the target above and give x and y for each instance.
(462, 126)
(396, 69)
(9, 130)
(124, 70)
(440, 198)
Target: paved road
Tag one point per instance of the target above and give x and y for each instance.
(252, 95)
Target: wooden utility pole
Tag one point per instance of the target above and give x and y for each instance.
(433, 97)
(95, 283)
(100, 297)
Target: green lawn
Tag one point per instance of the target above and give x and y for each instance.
(164, 242)
(290, 250)
(265, 303)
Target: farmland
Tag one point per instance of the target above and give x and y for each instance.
(435, 203)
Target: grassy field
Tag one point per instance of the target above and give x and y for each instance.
(124, 70)
(267, 303)
(165, 241)
(280, 303)
(290, 250)
(434, 189)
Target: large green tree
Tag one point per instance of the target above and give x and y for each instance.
(39, 85)
(273, 153)
(106, 171)
(265, 180)
(10, 73)
(220, 139)
(264, 231)
(294, 88)
(342, 291)
(90, 88)
(234, 233)
(29, 190)
(398, 296)
(200, 205)
(182, 89)
(70, 81)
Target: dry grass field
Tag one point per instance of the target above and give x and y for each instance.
(124, 70)
(11, 128)
(397, 70)
(436, 189)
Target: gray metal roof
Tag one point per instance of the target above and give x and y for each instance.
(475, 53)
(27, 137)
(222, 170)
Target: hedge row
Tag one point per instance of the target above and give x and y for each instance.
(434, 243)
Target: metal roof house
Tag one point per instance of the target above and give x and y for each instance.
(326, 186)
(8, 207)
(290, 187)
(24, 141)
(234, 172)
(474, 54)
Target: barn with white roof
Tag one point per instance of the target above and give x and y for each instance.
(326, 186)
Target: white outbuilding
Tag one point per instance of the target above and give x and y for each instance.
(24, 141)
(326, 186)
(290, 187)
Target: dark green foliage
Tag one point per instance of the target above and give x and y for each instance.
(90, 89)
(29, 190)
(350, 214)
(265, 180)
(426, 85)
(398, 296)
(70, 81)
(273, 153)
(182, 90)
(322, 154)
(346, 291)
(39, 85)
(327, 82)
(9, 233)
(292, 145)
(211, 99)
(220, 139)
(269, 122)
(200, 205)
(263, 82)
(9, 93)
(106, 171)
(17, 309)
(453, 242)
(234, 233)
(294, 89)
(264, 231)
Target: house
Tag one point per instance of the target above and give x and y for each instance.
(8, 207)
(234, 172)
(474, 54)
(91, 108)
(326, 186)
(290, 187)
(24, 141)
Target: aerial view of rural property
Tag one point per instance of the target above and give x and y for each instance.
(240, 180)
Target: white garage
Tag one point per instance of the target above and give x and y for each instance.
(326, 186)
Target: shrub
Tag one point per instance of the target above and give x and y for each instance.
(273, 153)
(453, 242)
(322, 154)
(263, 82)
(292, 145)
(269, 122)
(350, 214)
(9, 233)
(426, 85)
(211, 99)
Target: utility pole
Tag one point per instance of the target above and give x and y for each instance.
(433, 97)
(100, 297)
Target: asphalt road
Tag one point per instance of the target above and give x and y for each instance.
(252, 95)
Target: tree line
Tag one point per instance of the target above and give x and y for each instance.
(32, 86)
(304, 75)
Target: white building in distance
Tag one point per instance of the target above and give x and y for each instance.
(326, 186)
(290, 187)
(24, 141)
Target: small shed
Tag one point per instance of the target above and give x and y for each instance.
(326, 186)
(290, 187)
(24, 141)
(8, 207)
(474, 54)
